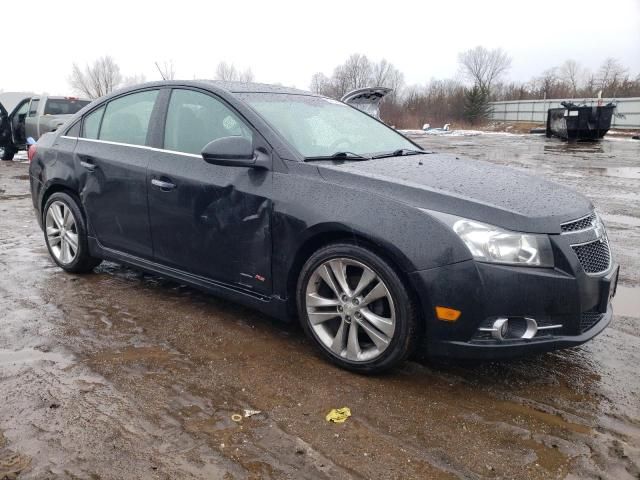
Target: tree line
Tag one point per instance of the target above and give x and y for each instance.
(103, 76)
(482, 78)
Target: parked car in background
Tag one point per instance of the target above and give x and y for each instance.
(24, 116)
(367, 99)
(13, 111)
(302, 206)
(46, 114)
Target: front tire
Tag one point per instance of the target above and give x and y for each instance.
(65, 234)
(355, 307)
(8, 152)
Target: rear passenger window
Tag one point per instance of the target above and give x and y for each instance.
(126, 119)
(91, 124)
(195, 119)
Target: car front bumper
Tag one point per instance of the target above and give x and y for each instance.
(484, 292)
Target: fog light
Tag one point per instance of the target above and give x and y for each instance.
(513, 328)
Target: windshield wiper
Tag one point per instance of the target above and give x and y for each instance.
(399, 153)
(339, 156)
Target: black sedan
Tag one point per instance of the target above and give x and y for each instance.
(303, 207)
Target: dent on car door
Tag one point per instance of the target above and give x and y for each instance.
(112, 157)
(209, 220)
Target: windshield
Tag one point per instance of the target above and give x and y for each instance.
(64, 106)
(321, 127)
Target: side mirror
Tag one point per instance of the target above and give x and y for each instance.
(230, 151)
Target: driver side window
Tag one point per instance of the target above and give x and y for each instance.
(195, 119)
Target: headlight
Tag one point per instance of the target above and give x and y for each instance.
(493, 244)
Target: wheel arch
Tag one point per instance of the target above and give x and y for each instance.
(56, 188)
(322, 235)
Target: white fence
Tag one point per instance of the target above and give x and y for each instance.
(627, 115)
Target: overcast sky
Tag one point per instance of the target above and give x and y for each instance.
(288, 41)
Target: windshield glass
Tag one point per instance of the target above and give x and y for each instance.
(63, 106)
(319, 127)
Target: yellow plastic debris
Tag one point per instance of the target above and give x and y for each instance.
(338, 415)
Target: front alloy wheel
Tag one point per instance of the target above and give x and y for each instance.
(356, 323)
(356, 308)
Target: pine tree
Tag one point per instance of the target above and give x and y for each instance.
(476, 105)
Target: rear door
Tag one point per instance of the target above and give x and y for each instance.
(112, 154)
(209, 220)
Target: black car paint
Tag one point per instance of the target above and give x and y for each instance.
(243, 233)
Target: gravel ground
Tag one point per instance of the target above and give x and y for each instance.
(120, 375)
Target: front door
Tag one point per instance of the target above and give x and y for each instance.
(208, 220)
(113, 154)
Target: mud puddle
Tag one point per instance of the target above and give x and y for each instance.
(122, 375)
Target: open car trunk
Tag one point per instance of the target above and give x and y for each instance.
(367, 99)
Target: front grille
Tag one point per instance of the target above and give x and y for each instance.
(595, 257)
(589, 319)
(580, 224)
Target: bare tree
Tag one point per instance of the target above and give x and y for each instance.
(357, 72)
(572, 74)
(320, 84)
(167, 70)
(96, 80)
(610, 75)
(246, 75)
(225, 72)
(229, 73)
(385, 74)
(484, 67)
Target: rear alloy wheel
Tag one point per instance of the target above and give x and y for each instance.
(62, 233)
(355, 307)
(66, 234)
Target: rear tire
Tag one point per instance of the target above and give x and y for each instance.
(65, 234)
(362, 319)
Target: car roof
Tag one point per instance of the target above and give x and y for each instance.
(216, 85)
(252, 87)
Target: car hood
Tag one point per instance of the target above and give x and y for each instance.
(473, 189)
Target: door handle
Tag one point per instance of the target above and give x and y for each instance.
(162, 185)
(87, 162)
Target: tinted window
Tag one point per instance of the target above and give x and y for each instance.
(126, 119)
(33, 108)
(64, 106)
(194, 119)
(91, 123)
